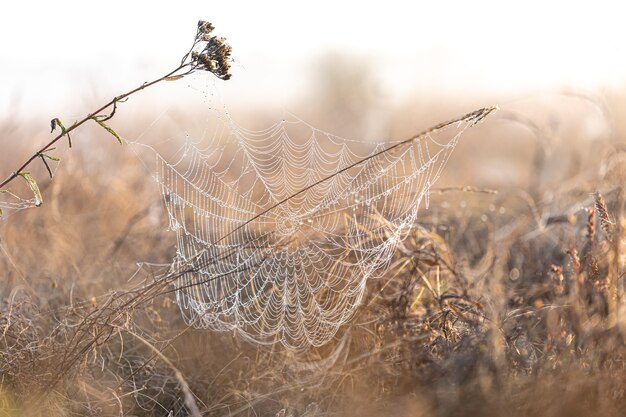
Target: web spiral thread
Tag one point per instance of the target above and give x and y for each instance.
(278, 230)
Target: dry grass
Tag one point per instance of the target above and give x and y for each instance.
(498, 304)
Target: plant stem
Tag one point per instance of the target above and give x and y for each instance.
(90, 116)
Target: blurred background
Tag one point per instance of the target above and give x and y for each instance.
(504, 242)
(57, 54)
(358, 69)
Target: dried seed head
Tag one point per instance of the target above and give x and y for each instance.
(215, 57)
(204, 28)
(212, 53)
(603, 213)
(573, 253)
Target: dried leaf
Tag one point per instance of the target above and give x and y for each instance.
(108, 129)
(54, 158)
(33, 186)
(56, 122)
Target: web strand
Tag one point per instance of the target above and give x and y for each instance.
(280, 229)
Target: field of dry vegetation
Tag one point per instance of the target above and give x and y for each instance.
(506, 300)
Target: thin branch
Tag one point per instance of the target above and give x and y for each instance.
(90, 116)
(214, 58)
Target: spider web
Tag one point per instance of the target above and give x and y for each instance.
(278, 230)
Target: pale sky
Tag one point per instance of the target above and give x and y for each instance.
(60, 53)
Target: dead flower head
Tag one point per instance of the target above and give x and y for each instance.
(204, 30)
(215, 55)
